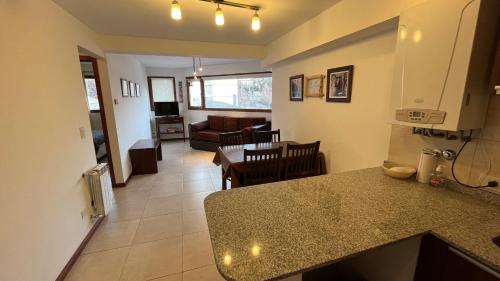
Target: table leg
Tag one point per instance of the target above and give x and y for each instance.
(224, 179)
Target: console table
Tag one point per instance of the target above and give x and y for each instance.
(144, 154)
(174, 120)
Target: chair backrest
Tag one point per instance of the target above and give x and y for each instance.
(261, 166)
(266, 136)
(301, 160)
(231, 138)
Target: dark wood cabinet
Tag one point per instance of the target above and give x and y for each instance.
(144, 155)
(439, 262)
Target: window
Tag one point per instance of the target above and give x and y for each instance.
(91, 90)
(231, 92)
(194, 93)
(161, 89)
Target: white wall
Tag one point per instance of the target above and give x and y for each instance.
(42, 156)
(132, 114)
(353, 135)
(200, 115)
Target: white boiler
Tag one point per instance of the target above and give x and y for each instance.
(443, 63)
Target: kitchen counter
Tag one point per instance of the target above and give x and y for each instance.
(277, 230)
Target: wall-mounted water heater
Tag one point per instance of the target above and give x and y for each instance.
(443, 62)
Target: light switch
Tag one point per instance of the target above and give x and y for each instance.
(497, 89)
(82, 133)
(115, 101)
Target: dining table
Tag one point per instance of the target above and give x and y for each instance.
(231, 159)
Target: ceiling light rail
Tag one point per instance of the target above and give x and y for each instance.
(219, 15)
(233, 4)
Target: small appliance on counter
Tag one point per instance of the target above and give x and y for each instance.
(427, 165)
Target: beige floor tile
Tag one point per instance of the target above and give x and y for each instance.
(194, 201)
(126, 210)
(163, 206)
(131, 194)
(138, 181)
(101, 266)
(166, 189)
(159, 227)
(207, 273)
(153, 260)
(165, 177)
(194, 221)
(196, 250)
(196, 175)
(197, 186)
(111, 235)
(173, 277)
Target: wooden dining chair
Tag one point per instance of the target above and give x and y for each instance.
(301, 160)
(266, 136)
(228, 139)
(261, 166)
(231, 138)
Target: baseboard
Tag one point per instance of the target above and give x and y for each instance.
(79, 250)
(123, 184)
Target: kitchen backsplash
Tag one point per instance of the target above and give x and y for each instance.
(481, 156)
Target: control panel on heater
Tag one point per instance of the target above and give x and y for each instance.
(421, 116)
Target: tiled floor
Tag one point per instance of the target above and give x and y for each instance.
(157, 229)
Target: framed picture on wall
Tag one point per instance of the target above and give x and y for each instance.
(339, 84)
(297, 88)
(137, 90)
(180, 97)
(314, 86)
(125, 89)
(132, 89)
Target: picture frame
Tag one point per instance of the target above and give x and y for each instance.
(125, 89)
(314, 86)
(296, 87)
(180, 98)
(339, 84)
(132, 89)
(137, 90)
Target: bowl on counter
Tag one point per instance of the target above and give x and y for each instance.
(396, 171)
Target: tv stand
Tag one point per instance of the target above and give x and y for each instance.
(173, 120)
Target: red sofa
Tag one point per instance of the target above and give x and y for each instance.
(205, 135)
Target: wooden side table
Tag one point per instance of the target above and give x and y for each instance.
(174, 120)
(144, 155)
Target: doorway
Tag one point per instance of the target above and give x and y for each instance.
(97, 115)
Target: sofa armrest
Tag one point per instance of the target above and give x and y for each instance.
(199, 126)
(248, 131)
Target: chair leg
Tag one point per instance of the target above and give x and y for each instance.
(224, 181)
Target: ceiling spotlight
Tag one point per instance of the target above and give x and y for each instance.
(175, 10)
(201, 67)
(219, 16)
(255, 21)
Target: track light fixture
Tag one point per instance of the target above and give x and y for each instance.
(219, 15)
(255, 21)
(175, 10)
(200, 69)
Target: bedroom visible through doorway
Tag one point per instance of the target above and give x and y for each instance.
(93, 97)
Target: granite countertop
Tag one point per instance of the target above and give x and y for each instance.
(280, 229)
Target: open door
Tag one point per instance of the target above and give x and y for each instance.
(97, 115)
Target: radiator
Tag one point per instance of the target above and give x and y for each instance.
(101, 191)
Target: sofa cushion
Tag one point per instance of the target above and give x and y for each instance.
(249, 122)
(216, 122)
(208, 135)
(231, 124)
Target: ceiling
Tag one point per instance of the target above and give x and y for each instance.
(182, 62)
(151, 18)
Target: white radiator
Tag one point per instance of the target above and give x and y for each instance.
(101, 191)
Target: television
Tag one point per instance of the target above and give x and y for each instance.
(166, 108)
